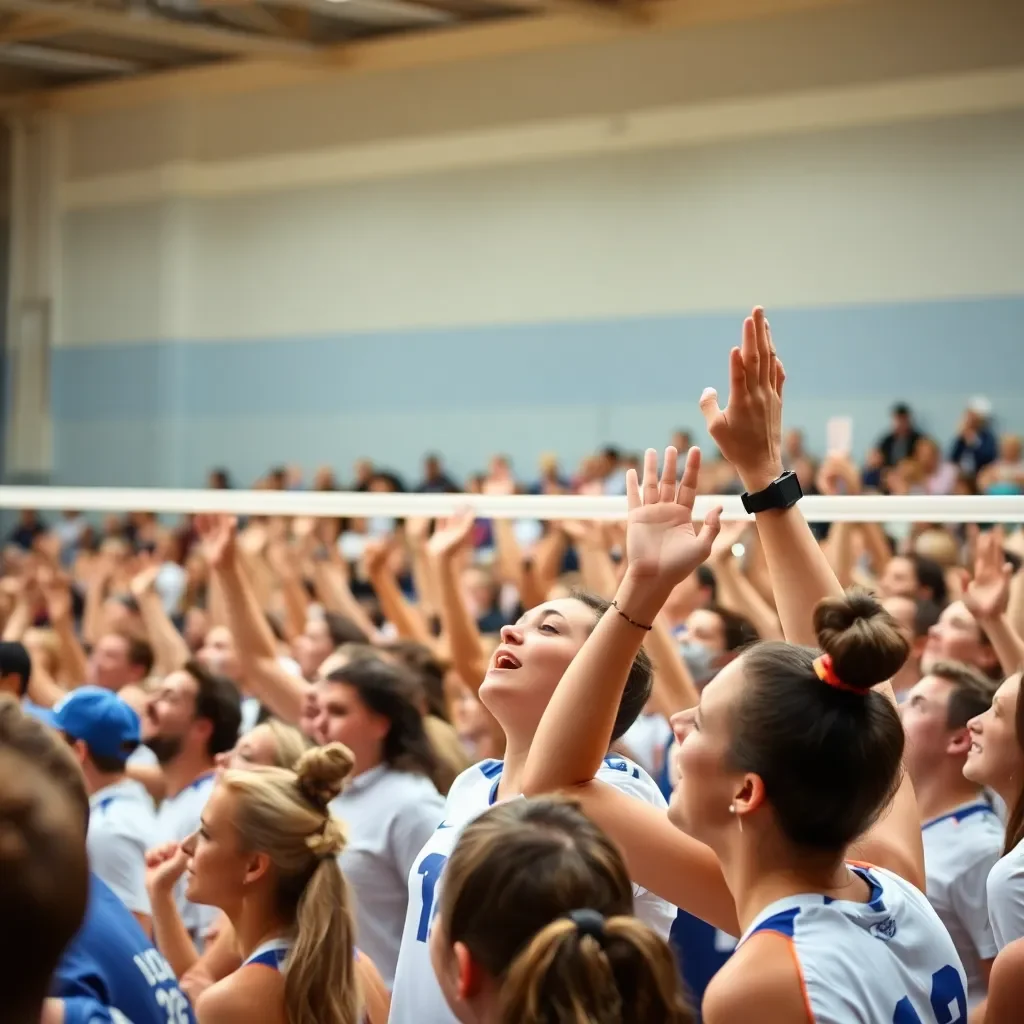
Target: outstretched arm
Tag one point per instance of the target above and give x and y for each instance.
(661, 550)
(749, 433)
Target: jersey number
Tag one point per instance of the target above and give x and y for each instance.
(430, 868)
(949, 1001)
(174, 1004)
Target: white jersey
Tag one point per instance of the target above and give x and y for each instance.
(416, 997)
(887, 961)
(122, 827)
(1005, 888)
(177, 818)
(388, 816)
(960, 849)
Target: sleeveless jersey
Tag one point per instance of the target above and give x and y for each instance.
(110, 964)
(960, 849)
(888, 961)
(416, 997)
(271, 954)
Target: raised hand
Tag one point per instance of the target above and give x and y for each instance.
(165, 864)
(988, 594)
(416, 531)
(57, 595)
(217, 533)
(661, 544)
(144, 579)
(749, 429)
(376, 554)
(451, 534)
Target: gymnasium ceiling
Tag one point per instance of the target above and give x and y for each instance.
(49, 46)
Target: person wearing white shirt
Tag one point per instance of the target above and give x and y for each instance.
(391, 807)
(521, 677)
(191, 718)
(103, 730)
(961, 832)
(996, 759)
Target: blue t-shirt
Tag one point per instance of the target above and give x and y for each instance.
(700, 948)
(112, 969)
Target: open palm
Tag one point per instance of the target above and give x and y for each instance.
(748, 431)
(217, 533)
(661, 542)
(452, 534)
(988, 594)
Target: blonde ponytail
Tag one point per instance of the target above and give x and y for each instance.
(286, 815)
(321, 985)
(571, 975)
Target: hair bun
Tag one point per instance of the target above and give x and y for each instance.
(321, 773)
(328, 841)
(864, 641)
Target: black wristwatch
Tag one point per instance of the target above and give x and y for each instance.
(781, 493)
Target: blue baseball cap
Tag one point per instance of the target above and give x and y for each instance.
(109, 726)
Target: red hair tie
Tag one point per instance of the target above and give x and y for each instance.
(827, 674)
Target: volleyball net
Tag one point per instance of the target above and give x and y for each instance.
(852, 508)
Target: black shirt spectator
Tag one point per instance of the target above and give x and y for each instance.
(435, 479)
(899, 443)
(29, 527)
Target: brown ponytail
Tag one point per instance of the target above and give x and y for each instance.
(565, 976)
(516, 873)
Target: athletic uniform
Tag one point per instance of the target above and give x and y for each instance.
(888, 961)
(122, 827)
(273, 954)
(701, 951)
(960, 849)
(416, 997)
(388, 815)
(1005, 888)
(178, 818)
(112, 971)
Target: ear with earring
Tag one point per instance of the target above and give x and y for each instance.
(739, 821)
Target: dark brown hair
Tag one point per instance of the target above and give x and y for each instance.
(217, 701)
(641, 673)
(972, 691)
(1015, 820)
(388, 690)
(44, 879)
(429, 669)
(43, 747)
(830, 758)
(516, 873)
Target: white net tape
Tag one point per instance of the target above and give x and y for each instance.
(858, 509)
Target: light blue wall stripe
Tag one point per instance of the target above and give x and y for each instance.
(160, 413)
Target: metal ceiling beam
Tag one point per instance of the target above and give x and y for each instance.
(467, 42)
(369, 12)
(44, 58)
(202, 38)
(20, 28)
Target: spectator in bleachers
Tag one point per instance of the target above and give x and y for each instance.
(103, 731)
(899, 443)
(435, 479)
(1006, 474)
(974, 446)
